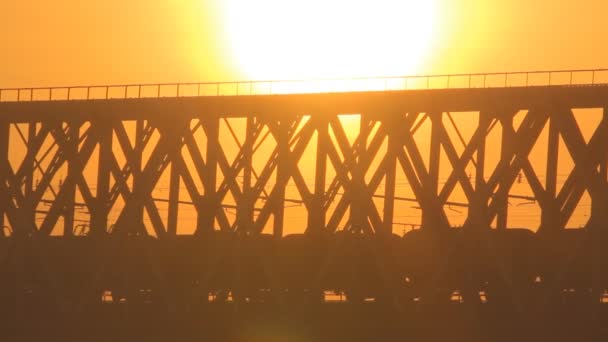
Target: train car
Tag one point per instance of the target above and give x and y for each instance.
(494, 266)
(301, 262)
(427, 258)
(363, 266)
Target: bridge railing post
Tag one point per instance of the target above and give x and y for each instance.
(490, 80)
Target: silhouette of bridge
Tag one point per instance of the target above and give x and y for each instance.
(89, 226)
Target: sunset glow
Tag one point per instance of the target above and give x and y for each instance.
(277, 39)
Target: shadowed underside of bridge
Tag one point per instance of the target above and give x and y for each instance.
(93, 195)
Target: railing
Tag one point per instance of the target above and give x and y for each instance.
(453, 81)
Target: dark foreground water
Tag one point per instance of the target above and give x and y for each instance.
(323, 322)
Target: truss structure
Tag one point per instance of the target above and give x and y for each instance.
(237, 162)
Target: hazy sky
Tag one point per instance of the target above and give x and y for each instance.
(68, 42)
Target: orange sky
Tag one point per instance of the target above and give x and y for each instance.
(81, 42)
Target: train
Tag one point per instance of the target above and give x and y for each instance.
(422, 267)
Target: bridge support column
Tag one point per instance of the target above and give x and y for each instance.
(478, 209)
(173, 199)
(209, 203)
(507, 144)
(282, 177)
(430, 217)
(550, 212)
(4, 139)
(316, 213)
(31, 166)
(599, 203)
(358, 211)
(99, 214)
(245, 207)
(137, 224)
(391, 172)
(70, 186)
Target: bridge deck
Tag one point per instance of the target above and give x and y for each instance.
(371, 103)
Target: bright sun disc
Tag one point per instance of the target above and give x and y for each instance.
(282, 39)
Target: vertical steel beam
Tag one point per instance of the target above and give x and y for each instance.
(507, 143)
(391, 171)
(478, 210)
(29, 175)
(4, 139)
(316, 216)
(429, 213)
(604, 166)
(73, 169)
(282, 175)
(99, 214)
(604, 162)
(137, 223)
(599, 203)
(599, 218)
(177, 168)
(550, 212)
(358, 210)
(173, 198)
(245, 206)
(208, 210)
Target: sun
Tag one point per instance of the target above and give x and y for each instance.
(295, 39)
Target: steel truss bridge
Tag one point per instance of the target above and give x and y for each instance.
(95, 181)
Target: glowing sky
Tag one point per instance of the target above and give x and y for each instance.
(81, 42)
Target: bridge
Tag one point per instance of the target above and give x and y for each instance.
(180, 198)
